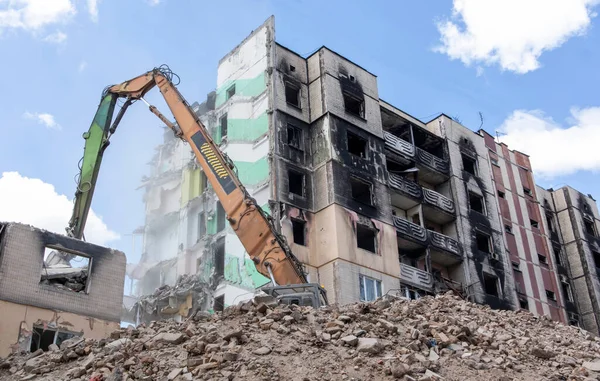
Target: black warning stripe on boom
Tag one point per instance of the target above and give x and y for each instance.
(214, 162)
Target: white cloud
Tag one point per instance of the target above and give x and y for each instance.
(511, 33)
(93, 9)
(34, 202)
(82, 66)
(56, 38)
(43, 118)
(33, 15)
(153, 2)
(555, 150)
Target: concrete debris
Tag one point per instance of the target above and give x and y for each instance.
(65, 277)
(434, 338)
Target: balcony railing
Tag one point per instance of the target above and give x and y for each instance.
(436, 199)
(416, 277)
(444, 242)
(432, 161)
(411, 231)
(398, 145)
(409, 188)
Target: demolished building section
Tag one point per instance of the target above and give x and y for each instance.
(45, 303)
(370, 199)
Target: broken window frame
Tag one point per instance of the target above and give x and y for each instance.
(490, 277)
(219, 263)
(220, 216)
(294, 137)
(501, 194)
(376, 288)
(488, 238)
(359, 102)
(542, 259)
(472, 160)
(589, 227)
(230, 92)
(534, 224)
(302, 183)
(219, 303)
(551, 295)
(57, 332)
(293, 87)
(523, 304)
(508, 229)
(223, 125)
(516, 266)
(354, 180)
(557, 255)
(351, 135)
(361, 231)
(299, 231)
(566, 288)
(55, 285)
(473, 195)
(527, 191)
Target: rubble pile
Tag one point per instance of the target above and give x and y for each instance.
(434, 338)
(65, 278)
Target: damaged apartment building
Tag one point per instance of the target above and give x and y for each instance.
(370, 199)
(54, 288)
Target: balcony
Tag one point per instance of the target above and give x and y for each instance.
(434, 170)
(438, 208)
(410, 236)
(444, 250)
(406, 194)
(416, 277)
(400, 149)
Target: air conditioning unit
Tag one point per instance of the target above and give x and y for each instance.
(563, 278)
(494, 257)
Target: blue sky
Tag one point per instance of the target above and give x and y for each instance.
(530, 68)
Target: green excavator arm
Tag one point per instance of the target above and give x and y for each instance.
(96, 141)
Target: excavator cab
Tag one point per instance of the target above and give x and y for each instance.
(306, 294)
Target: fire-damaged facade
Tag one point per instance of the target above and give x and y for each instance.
(44, 301)
(370, 199)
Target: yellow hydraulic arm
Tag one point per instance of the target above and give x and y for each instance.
(253, 226)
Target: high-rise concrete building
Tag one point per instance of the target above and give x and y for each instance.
(371, 199)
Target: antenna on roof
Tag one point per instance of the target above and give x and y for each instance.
(480, 118)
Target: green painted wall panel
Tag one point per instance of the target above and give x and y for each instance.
(244, 130)
(248, 87)
(252, 173)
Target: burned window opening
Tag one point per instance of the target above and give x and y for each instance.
(494, 162)
(219, 303)
(292, 94)
(65, 270)
(596, 256)
(589, 228)
(354, 105)
(356, 145)
(230, 91)
(476, 203)
(527, 191)
(557, 255)
(352, 78)
(551, 295)
(294, 137)
(299, 231)
(516, 267)
(220, 217)
(223, 125)
(469, 164)
(508, 229)
(366, 238)
(550, 223)
(483, 242)
(292, 68)
(490, 284)
(501, 194)
(566, 288)
(361, 190)
(201, 226)
(523, 304)
(220, 257)
(296, 183)
(534, 224)
(542, 259)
